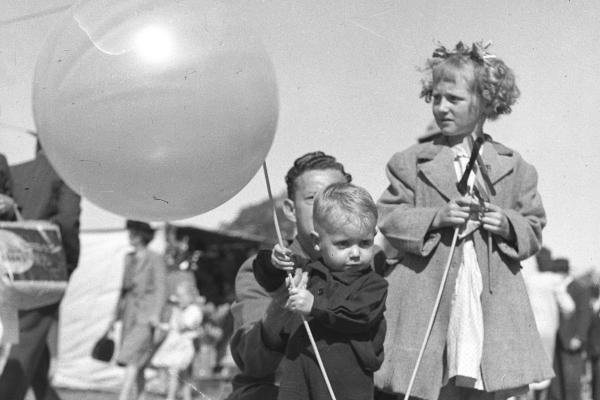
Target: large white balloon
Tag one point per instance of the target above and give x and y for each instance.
(155, 110)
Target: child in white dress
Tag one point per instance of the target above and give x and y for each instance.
(177, 350)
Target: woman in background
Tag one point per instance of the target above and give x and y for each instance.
(140, 306)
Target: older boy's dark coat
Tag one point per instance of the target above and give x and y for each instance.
(422, 179)
(348, 327)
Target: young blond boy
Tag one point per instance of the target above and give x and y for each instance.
(343, 301)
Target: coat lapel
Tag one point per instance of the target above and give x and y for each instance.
(498, 161)
(436, 162)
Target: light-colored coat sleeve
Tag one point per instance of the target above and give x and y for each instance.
(405, 226)
(526, 216)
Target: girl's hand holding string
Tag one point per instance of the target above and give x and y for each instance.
(454, 213)
(495, 221)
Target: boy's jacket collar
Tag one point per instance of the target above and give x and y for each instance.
(346, 276)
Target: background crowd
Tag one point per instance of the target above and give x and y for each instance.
(566, 309)
(165, 322)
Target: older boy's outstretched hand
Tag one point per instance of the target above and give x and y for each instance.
(495, 221)
(300, 301)
(281, 258)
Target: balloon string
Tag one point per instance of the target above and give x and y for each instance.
(433, 315)
(291, 279)
(273, 207)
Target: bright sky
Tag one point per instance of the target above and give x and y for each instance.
(348, 85)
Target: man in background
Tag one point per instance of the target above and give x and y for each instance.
(594, 332)
(575, 318)
(41, 195)
(9, 330)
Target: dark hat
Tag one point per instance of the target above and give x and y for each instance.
(560, 265)
(139, 226)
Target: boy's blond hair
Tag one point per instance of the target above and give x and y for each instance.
(342, 203)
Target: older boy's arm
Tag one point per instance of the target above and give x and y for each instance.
(354, 311)
(257, 346)
(407, 228)
(266, 274)
(257, 342)
(526, 219)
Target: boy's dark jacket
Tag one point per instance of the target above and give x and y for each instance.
(348, 307)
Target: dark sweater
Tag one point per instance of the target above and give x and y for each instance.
(347, 324)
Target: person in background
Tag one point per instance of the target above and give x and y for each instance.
(594, 332)
(573, 328)
(9, 330)
(181, 258)
(549, 299)
(259, 318)
(41, 195)
(177, 351)
(140, 308)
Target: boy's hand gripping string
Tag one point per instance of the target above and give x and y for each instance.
(299, 300)
(313, 343)
(291, 279)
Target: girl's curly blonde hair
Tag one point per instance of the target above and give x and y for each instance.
(492, 79)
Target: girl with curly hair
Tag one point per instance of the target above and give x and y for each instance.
(465, 210)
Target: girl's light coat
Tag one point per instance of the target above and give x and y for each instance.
(422, 179)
